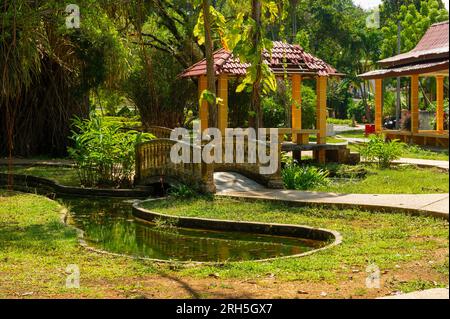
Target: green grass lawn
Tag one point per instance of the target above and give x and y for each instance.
(396, 180)
(35, 249)
(352, 134)
(412, 151)
(421, 153)
(330, 140)
(415, 152)
(384, 239)
(62, 175)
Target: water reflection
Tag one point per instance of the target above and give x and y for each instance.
(109, 225)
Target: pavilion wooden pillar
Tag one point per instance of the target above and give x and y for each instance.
(222, 90)
(321, 110)
(415, 103)
(440, 103)
(296, 112)
(203, 107)
(378, 105)
(321, 116)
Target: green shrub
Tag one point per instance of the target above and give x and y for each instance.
(182, 191)
(104, 153)
(309, 101)
(304, 177)
(357, 110)
(382, 151)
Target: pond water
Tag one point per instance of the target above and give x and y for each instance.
(108, 224)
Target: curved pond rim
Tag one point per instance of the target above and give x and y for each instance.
(284, 230)
(31, 184)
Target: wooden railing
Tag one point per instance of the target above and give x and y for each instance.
(159, 131)
(153, 164)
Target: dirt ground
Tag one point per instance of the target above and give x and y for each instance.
(169, 286)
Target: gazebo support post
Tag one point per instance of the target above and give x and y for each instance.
(203, 107)
(378, 105)
(415, 103)
(321, 116)
(222, 89)
(440, 103)
(296, 112)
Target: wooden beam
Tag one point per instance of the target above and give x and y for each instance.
(440, 103)
(222, 89)
(378, 105)
(415, 103)
(203, 107)
(296, 112)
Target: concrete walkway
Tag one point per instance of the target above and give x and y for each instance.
(424, 163)
(439, 293)
(236, 185)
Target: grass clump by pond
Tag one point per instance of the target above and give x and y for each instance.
(382, 238)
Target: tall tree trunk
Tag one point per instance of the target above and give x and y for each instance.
(211, 72)
(256, 119)
(366, 104)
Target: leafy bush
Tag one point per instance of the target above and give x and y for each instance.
(357, 110)
(103, 152)
(382, 151)
(304, 177)
(309, 101)
(182, 191)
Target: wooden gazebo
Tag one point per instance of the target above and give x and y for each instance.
(284, 59)
(430, 58)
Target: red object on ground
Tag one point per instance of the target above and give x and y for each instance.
(370, 129)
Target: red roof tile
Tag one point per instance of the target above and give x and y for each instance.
(421, 68)
(433, 45)
(297, 61)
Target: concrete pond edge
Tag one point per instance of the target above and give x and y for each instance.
(293, 231)
(33, 184)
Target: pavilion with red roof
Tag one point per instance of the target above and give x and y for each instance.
(283, 59)
(430, 58)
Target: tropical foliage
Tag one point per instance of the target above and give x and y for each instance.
(104, 153)
(381, 151)
(129, 53)
(304, 177)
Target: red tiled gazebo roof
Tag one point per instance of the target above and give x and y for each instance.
(283, 58)
(429, 56)
(433, 45)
